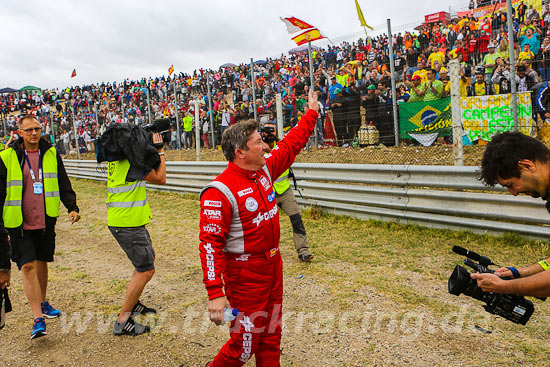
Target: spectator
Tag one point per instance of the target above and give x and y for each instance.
(480, 87)
(416, 89)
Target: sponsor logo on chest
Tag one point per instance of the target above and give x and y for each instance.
(251, 204)
(271, 196)
(265, 183)
(265, 216)
(245, 192)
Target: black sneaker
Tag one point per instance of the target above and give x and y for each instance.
(305, 257)
(130, 327)
(140, 309)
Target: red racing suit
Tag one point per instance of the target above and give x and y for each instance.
(239, 239)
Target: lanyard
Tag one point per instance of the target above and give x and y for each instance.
(39, 167)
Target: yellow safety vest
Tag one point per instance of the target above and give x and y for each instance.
(127, 201)
(281, 184)
(12, 212)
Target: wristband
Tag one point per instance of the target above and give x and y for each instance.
(514, 271)
(545, 265)
(161, 153)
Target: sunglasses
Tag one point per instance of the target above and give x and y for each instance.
(32, 129)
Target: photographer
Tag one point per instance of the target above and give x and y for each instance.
(128, 213)
(286, 200)
(522, 165)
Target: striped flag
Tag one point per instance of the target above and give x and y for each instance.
(170, 70)
(308, 36)
(73, 74)
(294, 25)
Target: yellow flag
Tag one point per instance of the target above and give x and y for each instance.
(361, 17)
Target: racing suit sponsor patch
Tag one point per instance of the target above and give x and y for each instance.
(265, 216)
(213, 203)
(245, 192)
(265, 183)
(251, 204)
(247, 339)
(210, 261)
(213, 214)
(271, 196)
(212, 228)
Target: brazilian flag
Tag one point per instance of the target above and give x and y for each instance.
(417, 115)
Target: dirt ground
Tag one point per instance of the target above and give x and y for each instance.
(375, 295)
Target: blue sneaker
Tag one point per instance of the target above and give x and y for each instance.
(48, 311)
(38, 328)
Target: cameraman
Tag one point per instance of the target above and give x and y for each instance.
(128, 213)
(522, 165)
(286, 200)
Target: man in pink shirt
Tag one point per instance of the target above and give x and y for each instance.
(33, 181)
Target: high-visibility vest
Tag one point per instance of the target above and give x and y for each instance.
(282, 183)
(127, 201)
(12, 212)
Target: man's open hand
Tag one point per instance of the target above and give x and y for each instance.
(312, 101)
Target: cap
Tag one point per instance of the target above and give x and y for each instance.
(480, 70)
(371, 86)
(416, 77)
(443, 70)
(490, 45)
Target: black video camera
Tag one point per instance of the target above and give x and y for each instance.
(512, 307)
(268, 134)
(161, 126)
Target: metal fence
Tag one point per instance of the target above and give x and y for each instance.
(433, 196)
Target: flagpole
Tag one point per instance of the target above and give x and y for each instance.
(210, 110)
(312, 82)
(253, 81)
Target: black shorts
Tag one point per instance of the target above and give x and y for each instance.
(38, 244)
(136, 243)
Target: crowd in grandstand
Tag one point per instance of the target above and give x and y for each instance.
(348, 76)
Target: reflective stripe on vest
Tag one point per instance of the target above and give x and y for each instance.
(12, 213)
(282, 184)
(126, 201)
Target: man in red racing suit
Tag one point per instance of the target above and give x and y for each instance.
(239, 239)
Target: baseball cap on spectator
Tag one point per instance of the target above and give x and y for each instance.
(372, 86)
(416, 77)
(443, 70)
(490, 45)
(480, 70)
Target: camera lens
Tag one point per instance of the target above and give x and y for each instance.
(459, 280)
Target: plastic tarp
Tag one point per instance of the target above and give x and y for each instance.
(7, 90)
(302, 48)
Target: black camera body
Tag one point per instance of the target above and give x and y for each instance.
(512, 307)
(161, 126)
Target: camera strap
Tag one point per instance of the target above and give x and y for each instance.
(291, 174)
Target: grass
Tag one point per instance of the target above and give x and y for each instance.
(393, 269)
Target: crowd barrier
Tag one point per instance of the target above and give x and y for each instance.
(433, 196)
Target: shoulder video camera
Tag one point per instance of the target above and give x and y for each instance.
(512, 307)
(161, 126)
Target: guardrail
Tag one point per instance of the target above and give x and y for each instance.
(435, 196)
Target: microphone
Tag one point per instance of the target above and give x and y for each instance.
(483, 260)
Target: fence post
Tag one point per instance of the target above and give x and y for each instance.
(458, 131)
(280, 119)
(511, 45)
(197, 131)
(210, 110)
(75, 134)
(253, 82)
(393, 89)
(312, 86)
(148, 104)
